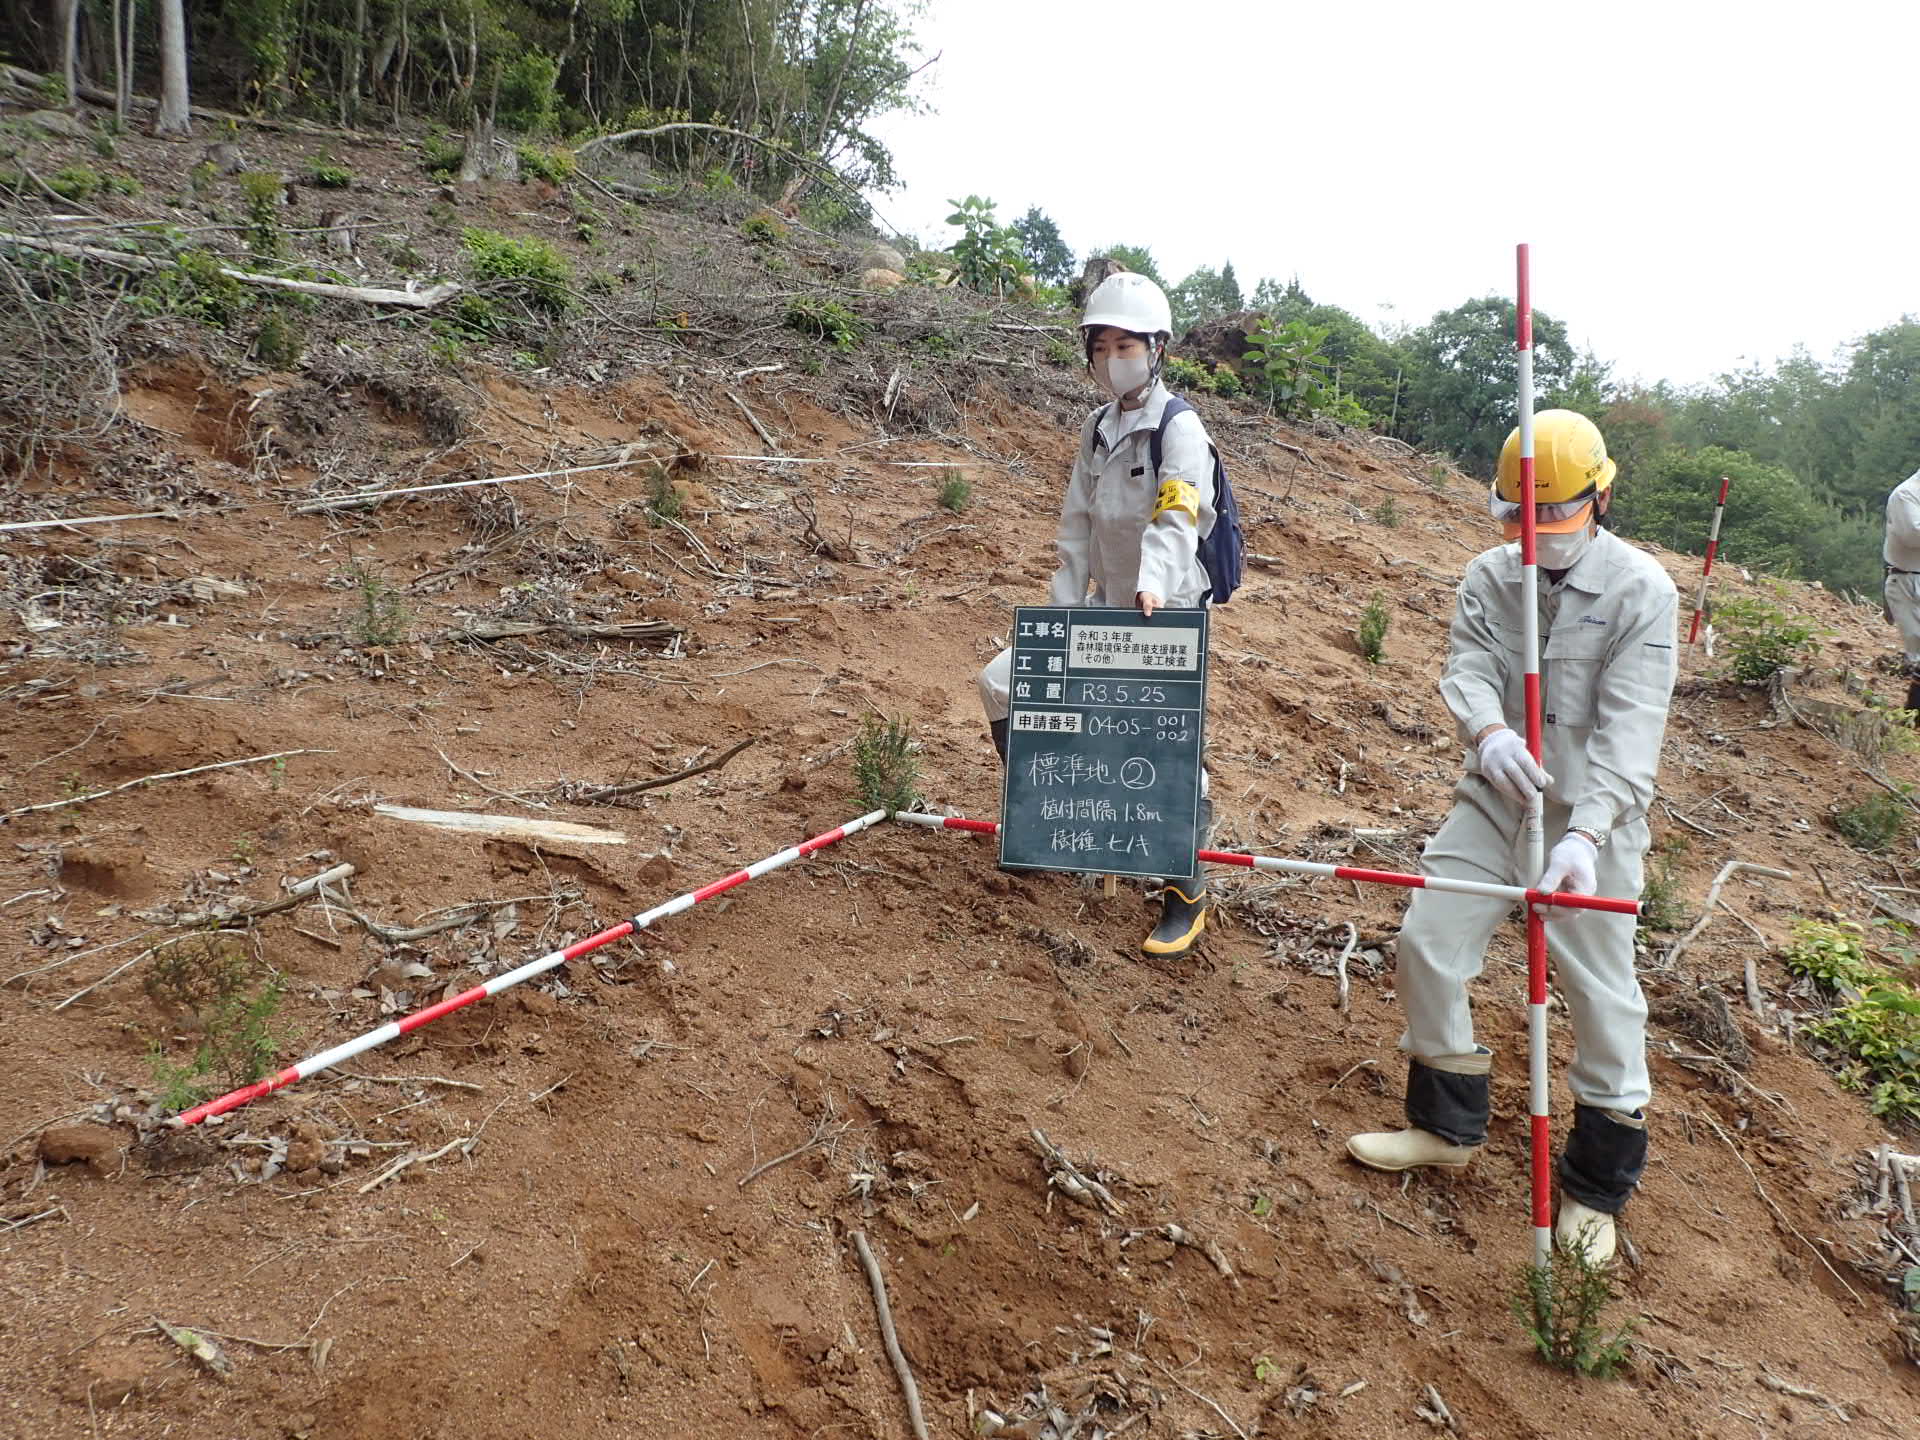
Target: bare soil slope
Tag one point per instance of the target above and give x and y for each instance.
(593, 1248)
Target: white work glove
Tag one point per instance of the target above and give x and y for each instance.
(1570, 868)
(1504, 761)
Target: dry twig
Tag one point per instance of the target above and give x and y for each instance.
(150, 779)
(887, 1336)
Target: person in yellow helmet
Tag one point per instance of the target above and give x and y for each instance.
(1607, 627)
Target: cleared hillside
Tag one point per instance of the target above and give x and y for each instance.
(596, 1262)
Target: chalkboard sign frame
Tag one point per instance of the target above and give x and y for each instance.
(1100, 779)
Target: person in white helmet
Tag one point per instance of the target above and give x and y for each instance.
(1902, 591)
(1129, 534)
(1607, 622)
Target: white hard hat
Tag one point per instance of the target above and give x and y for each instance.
(1129, 302)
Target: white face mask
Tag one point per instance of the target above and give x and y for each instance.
(1562, 552)
(1124, 374)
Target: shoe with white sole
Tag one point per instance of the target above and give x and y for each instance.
(1581, 1227)
(1408, 1149)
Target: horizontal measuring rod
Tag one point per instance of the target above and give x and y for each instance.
(326, 1059)
(1516, 893)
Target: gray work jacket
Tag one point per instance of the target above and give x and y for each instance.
(1607, 663)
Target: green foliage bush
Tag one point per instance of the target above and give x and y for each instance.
(1387, 514)
(1560, 1307)
(328, 173)
(76, 182)
(1833, 953)
(763, 227)
(955, 493)
(210, 986)
(1875, 1034)
(528, 98)
(195, 287)
(441, 157)
(825, 320)
(987, 256)
(886, 765)
(1374, 620)
(1660, 902)
(1760, 639)
(261, 192)
(552, 164)
(1287, 367)
(1874, 823)
(381, 618)
(1188, 375)
(280, 340)
(530, 270)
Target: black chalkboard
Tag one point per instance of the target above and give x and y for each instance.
(1103, 749)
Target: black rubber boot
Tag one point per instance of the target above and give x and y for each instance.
(1183, 902)
(1449, 1103)
(1913, 693)
(998, 729)
(1604, 1159)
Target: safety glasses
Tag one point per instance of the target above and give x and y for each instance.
(1508, 512)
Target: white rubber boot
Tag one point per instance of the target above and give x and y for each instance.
(1407, 1150)
(1580, 1227)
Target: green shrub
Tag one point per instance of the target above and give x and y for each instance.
(886, 765)
(261, 191)
(76, 182)
(554, 165)
(1873, 824)
(202, 176)
(1060, 353)
(763, 227)
(210, 986)
(1559, 1305)
(103, 146)
(530, 270)
(441, 157)
(1660, 905)
(1372, 635)
(328, 173)
(1387, 514)
(382, 616)
(1187, 375)
(955, 493)
(1227, 383)
(719, 181)
(988, 255)
(279, 340)
(1760, 640)
(528, 99)
(1835, 954)
(1879, 1034)
(194, 286)
(1287, 366)
(664, 501)
(825, 320)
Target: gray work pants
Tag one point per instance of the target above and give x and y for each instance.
(1444, 939)
(1902, 594)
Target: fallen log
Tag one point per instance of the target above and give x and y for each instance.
(366, 294)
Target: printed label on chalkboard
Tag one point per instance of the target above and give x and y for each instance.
(1103, 763)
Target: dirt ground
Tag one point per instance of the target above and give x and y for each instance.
(588, 1237)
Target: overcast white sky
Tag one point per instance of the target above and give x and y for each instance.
(1703, 182)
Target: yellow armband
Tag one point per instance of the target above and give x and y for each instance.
(1177, 495)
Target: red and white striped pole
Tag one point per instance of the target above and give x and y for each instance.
(1540, 1095)
(1706, 570)
(1519, 894)
(394, 1030)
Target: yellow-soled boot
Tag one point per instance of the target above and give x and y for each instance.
(1183, 918)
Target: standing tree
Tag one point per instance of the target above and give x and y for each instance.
(173, 117)
(1047, 254)
(1462, 373)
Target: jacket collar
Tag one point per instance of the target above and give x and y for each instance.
(1116, 424)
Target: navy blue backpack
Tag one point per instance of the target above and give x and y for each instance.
(1223, 551)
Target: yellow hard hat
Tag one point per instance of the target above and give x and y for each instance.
(1570, 467)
